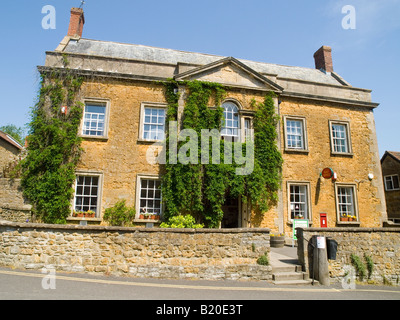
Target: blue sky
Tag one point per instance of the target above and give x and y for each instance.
(281, 32)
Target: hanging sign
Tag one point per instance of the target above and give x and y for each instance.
(327, 173)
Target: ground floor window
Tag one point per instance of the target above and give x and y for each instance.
(346, 202)
(87, 193)
(150, 199)
(299, 201)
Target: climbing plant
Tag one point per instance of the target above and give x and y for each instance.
(48, 171)
(201, 189)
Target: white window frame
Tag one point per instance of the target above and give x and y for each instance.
(391, 177)
(339, 202)
(139, 179)
(96, 102)
(99, 189)
(306, 186)
(151, 105)
(225, 126)
(303, 121)
(347, 131)
(247, 129)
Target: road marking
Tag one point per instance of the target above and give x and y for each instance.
(164, 285)
(192, 287)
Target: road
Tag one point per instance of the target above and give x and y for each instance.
(29, 285)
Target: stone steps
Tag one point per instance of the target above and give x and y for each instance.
(286, 271)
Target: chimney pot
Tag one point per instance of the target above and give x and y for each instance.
(76, 22)
(323, 59)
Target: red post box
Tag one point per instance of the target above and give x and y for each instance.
(323, 220)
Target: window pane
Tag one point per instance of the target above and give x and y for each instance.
(295, 138)
(339, 138)
(150, 196)
(298, 202)
(94, 120)
(86, 195)
(230, 123)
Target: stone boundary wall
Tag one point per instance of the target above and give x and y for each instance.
(137, 252)
(13, 206)
(381, 244)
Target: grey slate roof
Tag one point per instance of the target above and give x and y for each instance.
(170, 56)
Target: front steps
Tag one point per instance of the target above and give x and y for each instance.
(286, 271)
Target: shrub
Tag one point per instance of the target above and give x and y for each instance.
(359, 265)
(120, 214)
(186, 221)
(263, 260)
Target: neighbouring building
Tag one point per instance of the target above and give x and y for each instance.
(10, 151)
(327, 132)
(391, 170)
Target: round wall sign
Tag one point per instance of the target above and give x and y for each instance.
(327, 173)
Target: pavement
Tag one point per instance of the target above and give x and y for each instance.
(283, 256)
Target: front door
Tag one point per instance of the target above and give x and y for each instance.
(232, 216)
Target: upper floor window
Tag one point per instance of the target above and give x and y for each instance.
(340, 137)
(231, 122)
(392, 182)
(95, 119)
(295, 133)
(152, 126)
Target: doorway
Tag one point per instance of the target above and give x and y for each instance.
(232, 216)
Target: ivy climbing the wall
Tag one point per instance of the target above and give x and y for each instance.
(200, 189)
(48, 171)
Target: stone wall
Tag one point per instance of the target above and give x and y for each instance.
(13, 206)
(137, 252)
(381, 244)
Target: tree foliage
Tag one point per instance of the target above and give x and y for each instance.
(48, 171)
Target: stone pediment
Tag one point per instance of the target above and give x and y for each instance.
(230, 72)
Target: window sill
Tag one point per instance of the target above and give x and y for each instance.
(146, 221)
(301, 151)
(94, 138)
(142, 141)
(84, 218)
(290, 222)
(347, 223)
(339, 154)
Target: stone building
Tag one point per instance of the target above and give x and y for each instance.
(391, 171)
(326, 123)
(10, 151)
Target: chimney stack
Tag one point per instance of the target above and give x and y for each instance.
(76, 23)
(323, 59)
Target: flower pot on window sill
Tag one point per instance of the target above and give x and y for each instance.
(344, 219)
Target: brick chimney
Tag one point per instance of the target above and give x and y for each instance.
(76, 22)
(323, 59)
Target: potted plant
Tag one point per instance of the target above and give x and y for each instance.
(154, 216)
(277, 240)
(344, 218)
(90, 214)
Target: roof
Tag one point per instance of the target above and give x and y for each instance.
(6, 137)
(170, 56)
(394, 154)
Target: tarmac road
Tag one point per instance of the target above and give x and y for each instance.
(34, 285)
